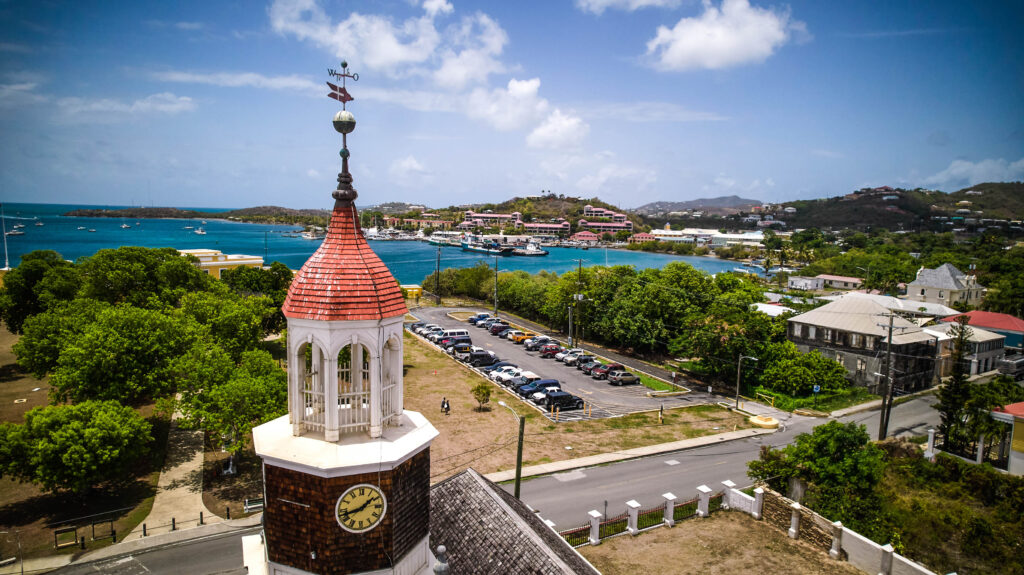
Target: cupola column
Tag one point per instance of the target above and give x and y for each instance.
(376, 394)
(331, 432)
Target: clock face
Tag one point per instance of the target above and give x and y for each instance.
(361, 508)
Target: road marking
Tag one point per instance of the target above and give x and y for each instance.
(569, 476)
(671, 462)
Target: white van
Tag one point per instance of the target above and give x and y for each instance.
(449, 333)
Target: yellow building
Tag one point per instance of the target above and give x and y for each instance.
(213, 261)
(413, 290)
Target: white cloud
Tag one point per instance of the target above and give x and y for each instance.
(243, 80)
(435, 7)
(514, 107)
(408, 171)
(313, 174)
(823, 153)
(962, 173)
(108, 109)
(477, 41)
(599, 6)
(723, 183)
(558, 131)
(373, 41)
(735, 34)
(20, 93)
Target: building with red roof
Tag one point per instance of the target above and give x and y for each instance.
(1013, 415)
(585, 237)
(641, 238)
(1001, 323)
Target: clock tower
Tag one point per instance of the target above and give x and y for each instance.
(347, 471)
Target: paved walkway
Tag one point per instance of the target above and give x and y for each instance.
(179, 493)
(602, 458)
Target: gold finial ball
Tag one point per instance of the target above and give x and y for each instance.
(344, 122)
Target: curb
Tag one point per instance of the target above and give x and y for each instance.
(877, 404)
(635, 453)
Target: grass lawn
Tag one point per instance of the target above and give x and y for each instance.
(723, 544)
(486, 440)
(36, 513)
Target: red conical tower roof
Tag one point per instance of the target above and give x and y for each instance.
(344, 279)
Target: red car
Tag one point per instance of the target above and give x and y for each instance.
(549, 350)
(602, 372)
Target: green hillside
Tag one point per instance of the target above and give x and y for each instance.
(995, 200)
(547, 207)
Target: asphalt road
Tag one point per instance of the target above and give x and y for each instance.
(565, 498)
(608, 400)
(219, 554)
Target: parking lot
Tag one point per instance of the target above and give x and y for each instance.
(603, 400)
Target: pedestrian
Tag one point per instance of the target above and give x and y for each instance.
(444, 402)
(447, 407)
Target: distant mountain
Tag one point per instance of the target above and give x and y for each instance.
(721, 205)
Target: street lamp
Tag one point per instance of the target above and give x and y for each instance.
(519, 450)
(739, 368)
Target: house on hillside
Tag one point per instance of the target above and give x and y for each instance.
(641, 238)
(854, 332)
(945, 285)
(841, 282)
(213, 262)
(805, 283)
(917, 311)
(585, 237)
(1004, 324)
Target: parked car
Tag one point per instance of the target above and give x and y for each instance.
(577, 358)
(413, 326)
(530, 389)
(549, 350)
(603, 371)
(524, 378)
(563, 400)
(511, 334)
(426, 328)
(561, 356)
(522, 337)
(589, 367)
(538, 397)
(498, 327)
(461, 351)
(497, 365)
(482, 358)
(503, 332)
(486, 323)
(536, 342)
(478, 317)
(502, 375)
(448, 342)
(622, 378)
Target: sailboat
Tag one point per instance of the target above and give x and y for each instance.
(3, 224)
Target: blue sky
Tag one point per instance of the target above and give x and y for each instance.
(222, 104)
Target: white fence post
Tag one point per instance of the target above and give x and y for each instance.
(758, 503)
(703, 506)
(930, 452)
(595, 526)
(633, 509)
(837, 540)
(886, 567)
(794, 521)
(670, 507)
(727, 497)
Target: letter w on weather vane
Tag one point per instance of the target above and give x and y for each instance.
(339, 93)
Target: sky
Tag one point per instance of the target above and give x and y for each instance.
(223, 104)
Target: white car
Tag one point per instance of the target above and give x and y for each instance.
(539, 397)
(503, 376)
(560, 356)
(423, 329)
(513, 333)
(504, 369)
(464, 356)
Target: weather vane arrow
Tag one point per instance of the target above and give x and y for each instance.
(339, 93)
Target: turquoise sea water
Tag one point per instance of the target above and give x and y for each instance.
(410, 262)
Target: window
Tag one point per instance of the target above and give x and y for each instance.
(827, 334)
(922, 292)
(861, 366)
(855, 339)
(941, 294)
(839, 358)
(811, 332)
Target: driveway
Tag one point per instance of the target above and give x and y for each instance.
(606, 400)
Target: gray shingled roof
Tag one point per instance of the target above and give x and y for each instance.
(945, 276)
(486, 530)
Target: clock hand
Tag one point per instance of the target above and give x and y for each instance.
(364, 505)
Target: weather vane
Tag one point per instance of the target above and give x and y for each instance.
(344, 123)
(339, 93)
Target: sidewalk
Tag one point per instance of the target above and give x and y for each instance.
(877, 404)
(179, 493)
(601, 458)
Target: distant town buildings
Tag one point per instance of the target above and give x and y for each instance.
(618, 222)
(841, 282)
(1004, 324)
(984, 349)
(214, 262)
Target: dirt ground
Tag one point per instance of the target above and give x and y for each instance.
(726, 543)
(16, 384)
(486, 440)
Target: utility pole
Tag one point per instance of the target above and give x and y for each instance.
(495, 286)
(570, 324)
(437, 277)
(883, 418)
(577, 298)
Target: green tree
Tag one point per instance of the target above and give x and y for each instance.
(795, 374)
(123, 355)
(953, 396)
(74, 447)
(46, 334)
(235, 322)
(272, 282)
(482, 394)
(838, 463)
(143, 277)
(42, 280)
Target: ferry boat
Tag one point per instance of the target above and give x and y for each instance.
(475, 244)
(15, 233)
(445, 238)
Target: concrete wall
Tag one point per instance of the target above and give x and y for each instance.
(903, 566)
